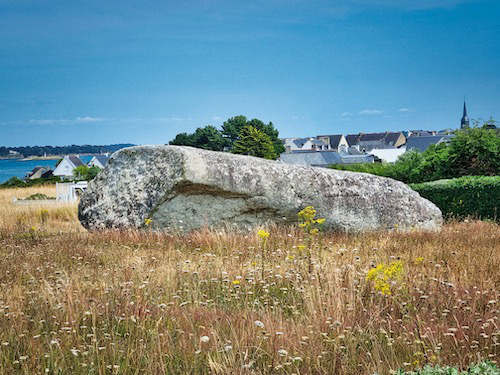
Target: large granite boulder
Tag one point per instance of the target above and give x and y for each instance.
(184, 188)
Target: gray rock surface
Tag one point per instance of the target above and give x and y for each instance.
(183, 188)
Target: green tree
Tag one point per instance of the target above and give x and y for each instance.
(83, 172)
(407, 168)
(271, 131)
(433, 165)
(252, 141)
(208, 138)
(92, 173)
(183, 139)
(232, 128)
(473, 152)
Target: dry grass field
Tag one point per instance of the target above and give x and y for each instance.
(131, 302)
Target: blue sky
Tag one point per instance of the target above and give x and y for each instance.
(99, 72)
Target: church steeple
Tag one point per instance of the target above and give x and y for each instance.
(464, 124)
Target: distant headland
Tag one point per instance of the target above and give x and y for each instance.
(56, 152)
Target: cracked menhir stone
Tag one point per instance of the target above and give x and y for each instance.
(184, 189)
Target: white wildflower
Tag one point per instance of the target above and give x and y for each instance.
(204, 339)
(282, 353)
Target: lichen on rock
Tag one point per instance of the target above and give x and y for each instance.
(183, 188)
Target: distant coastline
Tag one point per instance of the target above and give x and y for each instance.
(47, 157)
(17, 157)
(18, 161)
(28, 153)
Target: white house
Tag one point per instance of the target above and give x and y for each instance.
(99, 161)
(389, 155)
(305, 144)
(66, 166)
(334, 142)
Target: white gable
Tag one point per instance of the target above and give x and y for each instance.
(65, 168)
(389, 155)
(95, 163)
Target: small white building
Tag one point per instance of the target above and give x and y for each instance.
(388, 155)
(304, 144)
(333, 142)
(99, 161)
(70, 192)
(67, 165)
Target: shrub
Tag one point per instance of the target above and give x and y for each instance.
(379, 169)
(16, 182)
(470, 196)
(13, 182)
(85, 173)
(473, 151)
(38, 197)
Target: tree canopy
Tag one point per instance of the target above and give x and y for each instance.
(83, 172)
(254, 142)
(210, 138)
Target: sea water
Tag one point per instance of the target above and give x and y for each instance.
(19, 168)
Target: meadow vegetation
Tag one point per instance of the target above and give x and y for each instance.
(282, 300)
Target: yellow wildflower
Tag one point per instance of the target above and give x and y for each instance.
(236, 282)
(263, 234)
(383, 275)
(307, 214)
(148, 222)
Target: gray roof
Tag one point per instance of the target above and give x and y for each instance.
(392, 138)
(380, 140)
(36, 169)
(423, 143)
(334, 139)
(75, 160)
(355, 159)
(299, 142)
(352, 150)
(370, 137)
(352, 139)
(323, 158)
(103, 159)
(421, 133)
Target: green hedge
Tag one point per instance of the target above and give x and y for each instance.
(379, 169)
(470, 196)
